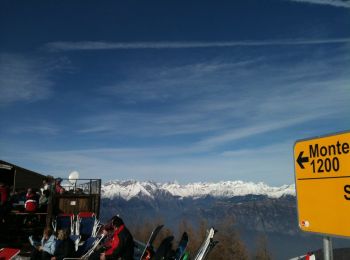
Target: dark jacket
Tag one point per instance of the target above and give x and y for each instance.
(3, 195)
(64, 248)
(125, 247)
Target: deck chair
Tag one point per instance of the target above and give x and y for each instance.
(64, 221)
(87, 225)
(87, 248)
(76, 240)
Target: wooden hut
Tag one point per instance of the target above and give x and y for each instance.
(18, 177)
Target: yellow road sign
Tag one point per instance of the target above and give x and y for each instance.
(322, 179)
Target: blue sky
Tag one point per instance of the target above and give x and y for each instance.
(171, 91)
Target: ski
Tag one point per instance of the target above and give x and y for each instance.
(212, 244)
(181, 247)
(164, 250)
(202, 252)
(186, 256)
(148, 250)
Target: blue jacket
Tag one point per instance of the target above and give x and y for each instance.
(50, 245)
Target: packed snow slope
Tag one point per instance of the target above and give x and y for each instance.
(227, 189)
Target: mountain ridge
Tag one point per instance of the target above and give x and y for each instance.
(253, 208)
(129, 189)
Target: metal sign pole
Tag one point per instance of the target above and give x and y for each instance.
(331, 247)
(327, 248)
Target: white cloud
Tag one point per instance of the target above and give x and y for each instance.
(164, 83)
(100, 45)
(23, 79)
(225, 101)
(244, 132)
(218, 103)
(336, 3)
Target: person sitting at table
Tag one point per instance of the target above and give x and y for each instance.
(21, 195)
(31, 203)
(44, 200)
(31, 194)
(4, 194)
(46, 185)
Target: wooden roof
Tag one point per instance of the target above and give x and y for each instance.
(20, 177)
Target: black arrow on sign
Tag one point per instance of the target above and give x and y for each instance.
(302, 160)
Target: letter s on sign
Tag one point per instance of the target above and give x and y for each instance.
(347, 190)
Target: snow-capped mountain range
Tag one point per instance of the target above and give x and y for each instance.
(226, 189)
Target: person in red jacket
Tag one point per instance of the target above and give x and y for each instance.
(31, 203)
(119, 246)
(4, 193)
